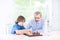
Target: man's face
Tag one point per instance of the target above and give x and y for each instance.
(37, 17)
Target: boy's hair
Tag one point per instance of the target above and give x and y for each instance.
(20, 19)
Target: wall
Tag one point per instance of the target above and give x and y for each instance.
(6, 14)
(56, 14)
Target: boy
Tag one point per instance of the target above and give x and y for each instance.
(18, 28)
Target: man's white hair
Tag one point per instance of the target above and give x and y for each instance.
(37, 12)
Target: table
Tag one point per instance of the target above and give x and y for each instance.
(50, 36)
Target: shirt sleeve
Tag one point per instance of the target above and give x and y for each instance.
(29, 25)
(23, 27)
(44, 30)
(42, 27)
(13, 31)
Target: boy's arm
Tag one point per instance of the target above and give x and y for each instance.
(19, 32)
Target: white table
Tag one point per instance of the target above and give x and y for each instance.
(50, 36)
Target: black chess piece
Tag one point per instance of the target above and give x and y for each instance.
(34, 34)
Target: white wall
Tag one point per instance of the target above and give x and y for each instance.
(53, 14)
(56, 14)
(6, 14)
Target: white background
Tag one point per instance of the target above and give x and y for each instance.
(7, 15)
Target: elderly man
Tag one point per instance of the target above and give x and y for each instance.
(37, 24)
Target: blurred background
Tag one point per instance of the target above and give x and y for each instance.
(11, 9)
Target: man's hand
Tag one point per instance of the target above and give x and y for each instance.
(28, 32)
(36, 33)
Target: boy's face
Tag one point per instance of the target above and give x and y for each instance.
(21, 23)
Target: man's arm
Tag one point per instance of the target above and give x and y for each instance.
(44, 29)
(29, 26)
